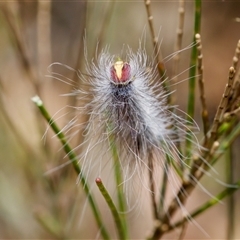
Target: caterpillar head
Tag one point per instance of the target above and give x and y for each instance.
(121, 72)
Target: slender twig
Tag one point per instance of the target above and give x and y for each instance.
(210, 203)
(193, 63)
(49, 223)
(183, 231)
(192, 76)
(112, 207)
(72, 156)
(176, 60)
(152, 186)
(232, 113)
(215, 127)
(119, 183)
(221, 147)
(237, 55)
(235, 99)
(178, 44)
(196, 172)
(164, 187)
(222, 105)
(226, 143)
(205, 119)
(187, 188)
(156, 46)
(231, 202)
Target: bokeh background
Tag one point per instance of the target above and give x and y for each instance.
(34, 34)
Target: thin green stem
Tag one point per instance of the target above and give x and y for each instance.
(188, 187)
(112, 207)
(231, 202)
(119, 183)
(164, 186)
(226, 143)
(72, 156)
(192, 74)
(208, 204)
(152, 186)
(49, 223)
(193, 61)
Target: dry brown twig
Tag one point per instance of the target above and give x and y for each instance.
(199, 167)
(156, 45)
(178, 44)
(205, 119)
(222, 105)
(235, 93)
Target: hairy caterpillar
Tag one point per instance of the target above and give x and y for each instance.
(127, 101)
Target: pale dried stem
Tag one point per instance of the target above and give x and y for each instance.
(236, 87)
(237, 55)
(209, 143)
(223, 104)
(185, 190)
(196, 172)
(178, 44)
(156, 45)
(201, 86)
(183, 231)
(44, 35)
(232, 113)
(235, 95)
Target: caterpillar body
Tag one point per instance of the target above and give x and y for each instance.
(127, 100)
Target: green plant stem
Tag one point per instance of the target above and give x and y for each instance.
(50, 224)
(72, 156)
(192, 74)
(112, 207)
(164, 187)
(226, 143)
(188, 187)
(193, 61)
(152, 186)
(208, 204)
(119, 183)
(231, 203)
(228, 191)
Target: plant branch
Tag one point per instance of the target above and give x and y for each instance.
(152, 186)
(192, 76)
(222, 105)
(112, 207)
(72, 156)
(205, 119)
(156, 46)
(210, 203)
(119, 183)
(178, 44)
